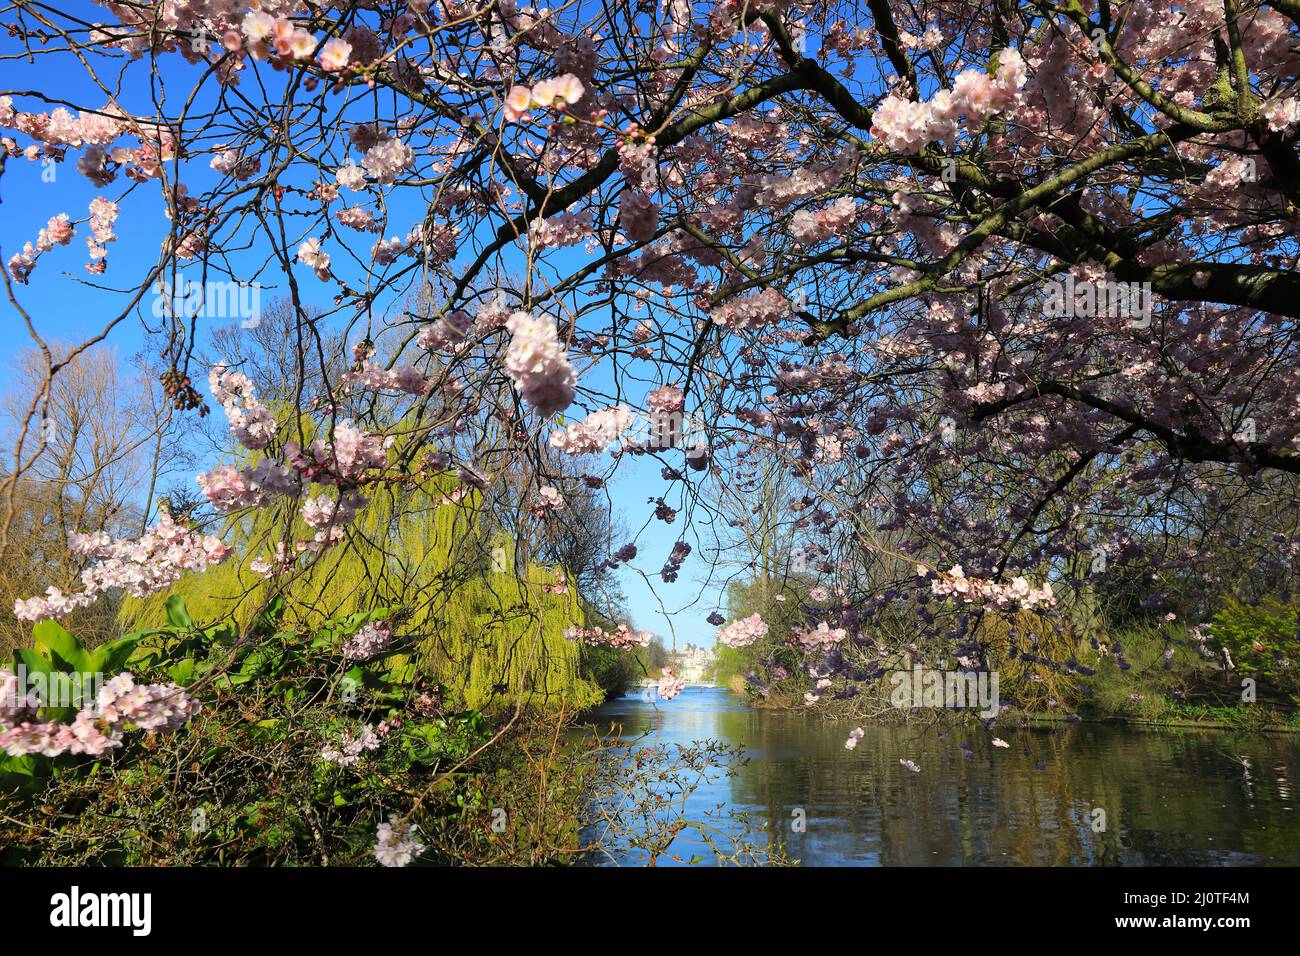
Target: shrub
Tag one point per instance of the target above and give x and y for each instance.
(1263, 640)
(298, 756)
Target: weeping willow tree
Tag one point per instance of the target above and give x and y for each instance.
(487, 623)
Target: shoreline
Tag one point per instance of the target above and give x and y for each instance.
(1010, 714)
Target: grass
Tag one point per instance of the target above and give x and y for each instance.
(1190, 688)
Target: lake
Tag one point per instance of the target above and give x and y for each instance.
(1167, 797)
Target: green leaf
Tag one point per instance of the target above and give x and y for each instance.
(41, 671)
(59, 646)
(24, 766)
(271, 614)
(178, 614)
(224, 633)
(182, 672)
(23, 776)
(35, 663)
(111, 657)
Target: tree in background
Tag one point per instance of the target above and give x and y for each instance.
(89, 446)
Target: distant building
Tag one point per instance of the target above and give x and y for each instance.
(694, 664)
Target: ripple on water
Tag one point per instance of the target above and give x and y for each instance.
(1168, 797)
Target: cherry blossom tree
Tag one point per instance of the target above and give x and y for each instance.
(1006, 286)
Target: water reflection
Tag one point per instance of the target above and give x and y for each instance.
(1168, 797)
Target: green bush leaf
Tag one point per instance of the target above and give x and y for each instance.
(60, 647)
(182, 672)
(178, 614)
(111, 657)
(34, 662)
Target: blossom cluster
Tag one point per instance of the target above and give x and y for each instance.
(60, 127)
(666, 399)
(1017, 595)
(756, 310)
(366, 643)
(322, 511)
(670, 685)
(548, 499)
(395, 844)
(538, 364)
(676, 558)
(906, 126)
(359, 218)
(140, 566)
(387, 158)
(446, 332)
(313, 256)
(779, 190)
(406, 379)
(342, 460)
(593, 434)
(1281, 115)
(743, 632)
(564, 229)
(349, 748)
(622, 637)
(639, 216)
(58, 231)
(560, 91)
(232, 163)
(98, 727)
(103, 215)
(251, 422)
(823, 635)
(809, 226)
(228, 488)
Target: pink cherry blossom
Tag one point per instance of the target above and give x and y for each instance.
(367, 642)
(98, 727)
(396, 844)
(621, 637)
(593, 434)
(311, 254)
(334, 54)
(251, 422)
(639, 216)
(670, 685)
(538, 365)
(743, 632)
(548, 500)
(140, 566)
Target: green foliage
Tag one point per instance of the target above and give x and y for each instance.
(732, 662)
(759, 595)
(247, 780)
(491, 638)
(1185, 685)
(613, 671)
(1145, 689)
(1263, 639)
(1254, 718)
(57, 668)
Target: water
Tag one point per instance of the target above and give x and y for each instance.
(1170, 796)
